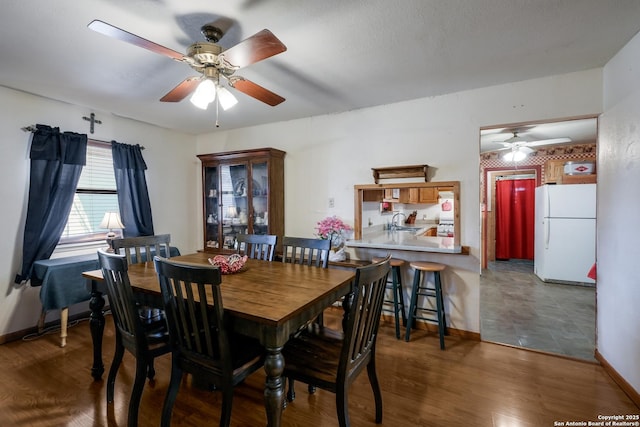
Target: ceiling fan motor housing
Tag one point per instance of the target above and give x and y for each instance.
(204, 53)
(211, 33)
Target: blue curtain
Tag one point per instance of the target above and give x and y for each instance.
(133, 196)
(56, 163)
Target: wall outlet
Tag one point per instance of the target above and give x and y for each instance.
(332, 202)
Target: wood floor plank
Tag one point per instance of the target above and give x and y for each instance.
(469, 384)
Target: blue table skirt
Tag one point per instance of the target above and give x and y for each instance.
(62, 282)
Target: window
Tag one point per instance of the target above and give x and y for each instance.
(95, 195)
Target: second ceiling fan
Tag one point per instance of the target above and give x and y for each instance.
(516, 141)
(519, 147)
(212, 62)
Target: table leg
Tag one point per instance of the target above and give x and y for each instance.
(41, 320)
(64, 320)
(96, 324)
(274, 386)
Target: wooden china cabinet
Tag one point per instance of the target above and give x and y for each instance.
(243, 193)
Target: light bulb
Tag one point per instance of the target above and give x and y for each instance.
(515, 156)
(226, 98)
(204, 95)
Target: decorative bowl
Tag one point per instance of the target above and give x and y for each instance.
(228, 264)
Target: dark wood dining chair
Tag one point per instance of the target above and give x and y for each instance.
(202, 343)
(258, 246)
(142, 249)
(144, 341)
(331, 360)
(306, 251)
(301, 250)
(137, 249)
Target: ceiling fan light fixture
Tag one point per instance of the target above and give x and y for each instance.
(226, 98)
(204, 95)
(517, 155)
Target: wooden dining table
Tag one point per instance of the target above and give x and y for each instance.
(267, 300)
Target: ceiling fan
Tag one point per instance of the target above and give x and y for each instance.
(519, 147)
(211, 62)
(518, 141)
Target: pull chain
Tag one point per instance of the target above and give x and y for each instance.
(217, 108)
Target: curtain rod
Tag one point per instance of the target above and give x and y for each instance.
(511, 177)
(33, 129)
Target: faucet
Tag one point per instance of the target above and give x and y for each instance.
(394, 220)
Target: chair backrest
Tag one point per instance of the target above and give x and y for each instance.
(137, 249)
(194, 312)
(361, 326)
(121, 300)
(258, 246)
(301, 250)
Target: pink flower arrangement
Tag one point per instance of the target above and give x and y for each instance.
(332, 228)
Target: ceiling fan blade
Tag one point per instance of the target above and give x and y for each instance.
(125, 36)
(548, 141)
(259, 46)
(183, 90)
(256, 91)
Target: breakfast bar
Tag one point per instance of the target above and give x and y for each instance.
(407, 239)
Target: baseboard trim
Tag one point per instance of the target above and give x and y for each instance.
(432, 327)
(618, 379)
(561, 356)
(18, 335)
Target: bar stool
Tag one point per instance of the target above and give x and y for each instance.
(431, 293)
(394, 284)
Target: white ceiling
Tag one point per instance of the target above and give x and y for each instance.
(342, 54)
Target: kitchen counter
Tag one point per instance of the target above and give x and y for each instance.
(406, 240)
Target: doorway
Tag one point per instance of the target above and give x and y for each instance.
(492, 176)
(515, 211)
(516, 307)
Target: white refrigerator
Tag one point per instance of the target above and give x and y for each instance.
(565, 233)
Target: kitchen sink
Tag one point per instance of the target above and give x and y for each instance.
(405, 228)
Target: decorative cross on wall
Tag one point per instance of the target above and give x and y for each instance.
(93, 120)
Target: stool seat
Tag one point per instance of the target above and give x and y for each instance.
(396, 300)
(395, 262)
(427, 266)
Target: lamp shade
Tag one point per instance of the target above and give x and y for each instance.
(204, 95)
(226, 98)
(517, 155)
(111, 220)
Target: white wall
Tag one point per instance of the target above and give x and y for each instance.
(173, 169)
(328, 155)
(618, 297)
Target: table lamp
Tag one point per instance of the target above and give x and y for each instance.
(111, 221)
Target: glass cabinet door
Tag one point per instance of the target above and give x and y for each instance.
(260, 197)
(234, 206)
(211, 208)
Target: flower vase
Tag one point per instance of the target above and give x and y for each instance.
(337, 254)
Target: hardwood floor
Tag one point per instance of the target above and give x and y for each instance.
(469, 384)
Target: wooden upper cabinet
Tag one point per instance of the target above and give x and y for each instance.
(372, 195)
(404, 194)
(428, 195)
(391, 194)
(553, 171)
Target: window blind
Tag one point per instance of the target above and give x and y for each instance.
(95, 195)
